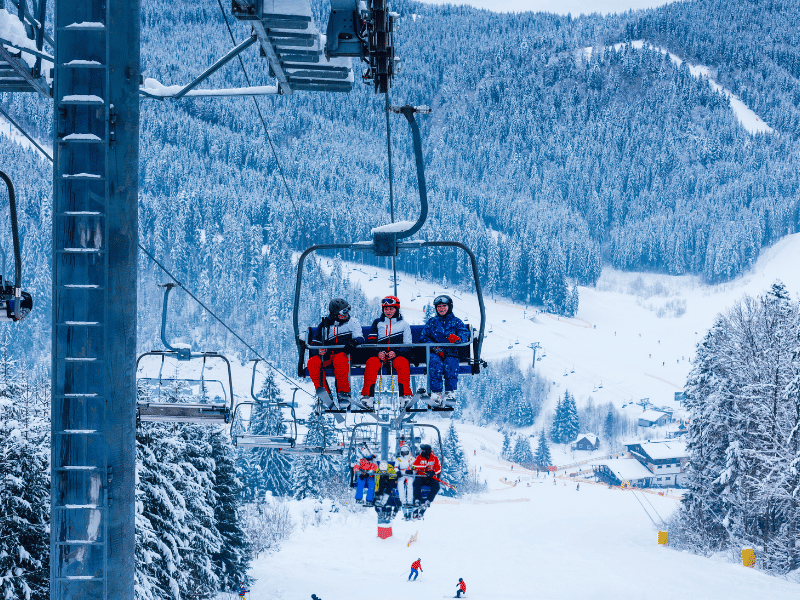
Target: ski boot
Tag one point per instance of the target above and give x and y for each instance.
(449, 399)
(435, 399)
(343, 399)
(366, 403)
(327, 402)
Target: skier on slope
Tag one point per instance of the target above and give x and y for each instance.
(426, 473)
(364, 475)
(337, 329)
(242, 591)
(444, 328)
(416, 566)
(461, 588)
(389, 328)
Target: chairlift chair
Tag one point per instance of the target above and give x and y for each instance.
(286, 438)
(15, 304)
(385, 242)
(217, 410)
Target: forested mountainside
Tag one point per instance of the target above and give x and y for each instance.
(547, 160)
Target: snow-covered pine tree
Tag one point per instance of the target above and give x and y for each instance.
(557, 429)
(306, 481)
(311, 473)
(265, 469)
(24, 486)
(231, 562)
(162, 571)
(744, 416)
(506, 451)
(455, 470)
(571, 423)
(609, 428)
(197, 487)
(522, 451)
(520, 411)
(542, 457)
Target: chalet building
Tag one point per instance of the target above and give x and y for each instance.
(616, 471)
(586, 441)
(654, 417)
(664, 459)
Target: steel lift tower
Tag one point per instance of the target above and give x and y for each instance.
(95, 233)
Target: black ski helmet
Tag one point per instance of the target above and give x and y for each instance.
(460, 580)
(338, 306)
(425, 449)
(444, 299)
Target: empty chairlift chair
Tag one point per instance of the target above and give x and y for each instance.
(181, 386)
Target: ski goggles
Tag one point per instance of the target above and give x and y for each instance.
(344, 311)
(441, 300)
(389, 302)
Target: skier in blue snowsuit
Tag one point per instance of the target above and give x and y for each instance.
(444, 328)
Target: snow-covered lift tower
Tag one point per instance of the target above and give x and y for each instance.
(95, 234)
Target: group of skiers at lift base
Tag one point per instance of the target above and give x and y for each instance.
(340, 328)
(407, 482)
(416, 567)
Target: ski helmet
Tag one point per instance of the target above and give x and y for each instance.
(425, 449)
(365, 452)
(444, 299)
(391, 301)
(404, 450)
(339, 306)
(460, 580)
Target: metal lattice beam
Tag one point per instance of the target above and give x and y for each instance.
(95, 231)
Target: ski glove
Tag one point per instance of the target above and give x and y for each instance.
(453, 338)
(351, 343)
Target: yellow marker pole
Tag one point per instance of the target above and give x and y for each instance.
(662, 538)
(748, 557)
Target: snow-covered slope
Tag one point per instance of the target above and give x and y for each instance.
(746, 116)
(532, 540)
(559, 7)
(618, 338)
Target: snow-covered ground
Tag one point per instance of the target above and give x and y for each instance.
(532, 540)
(747, 117)
(559, 7)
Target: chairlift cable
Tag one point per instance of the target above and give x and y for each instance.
(221, 322)
(25, 133)
(266, 131)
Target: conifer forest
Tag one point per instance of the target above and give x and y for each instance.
(555, 148)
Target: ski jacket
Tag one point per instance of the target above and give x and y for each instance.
(365, 465)
(404, 464)
(390, 331)
(422, 466)
(416, 565)
(463, 586)
(332, 332)
(438, 329)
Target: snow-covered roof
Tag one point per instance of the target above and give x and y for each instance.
(592, 438)
(667, 449)
(628, 469)
(652, 415)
